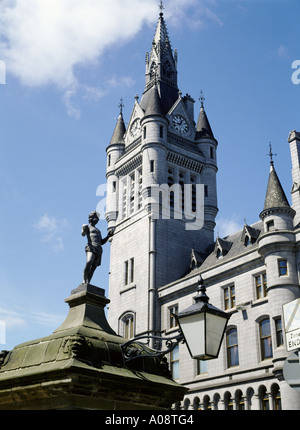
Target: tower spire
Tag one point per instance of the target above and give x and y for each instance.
(161, 66)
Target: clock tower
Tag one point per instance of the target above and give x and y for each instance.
(161, 193)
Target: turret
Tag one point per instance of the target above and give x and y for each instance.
(114, 151)
(207, 144)
(277, 246)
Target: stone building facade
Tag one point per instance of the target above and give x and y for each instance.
(161, 205)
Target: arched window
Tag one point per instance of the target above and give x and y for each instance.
(249, 396)
(228, 401)
(206, 403)
(216, 400)
(232, 347)
(265, 339)
(126, 326)
(276, 397)
(264, 398)
(240, 401)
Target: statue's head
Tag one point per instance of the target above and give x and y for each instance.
(94, 216)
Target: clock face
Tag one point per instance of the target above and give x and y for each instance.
(135, 128)
(180, 124)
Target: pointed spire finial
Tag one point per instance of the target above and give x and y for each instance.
(201, 98)
(271, 154)
(121, 105)
(161, 7)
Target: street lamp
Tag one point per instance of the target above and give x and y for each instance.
(201, 327)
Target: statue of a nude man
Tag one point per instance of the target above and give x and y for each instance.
(93, 248)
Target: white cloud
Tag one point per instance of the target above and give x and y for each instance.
(51, 229)
(227, 226)
(43, 41)
(11, 318)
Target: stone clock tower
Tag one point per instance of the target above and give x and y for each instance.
(161, 192)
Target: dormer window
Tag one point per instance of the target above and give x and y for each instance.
(249, 235)
(222, 247)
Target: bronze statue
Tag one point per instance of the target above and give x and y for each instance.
(93, 248)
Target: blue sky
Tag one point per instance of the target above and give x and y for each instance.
(68, 63)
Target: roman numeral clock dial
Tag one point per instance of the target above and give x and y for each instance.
(180, 124)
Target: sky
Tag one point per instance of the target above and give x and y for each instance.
(64, 65)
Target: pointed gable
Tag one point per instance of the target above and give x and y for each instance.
(222, 247)
(249, 235)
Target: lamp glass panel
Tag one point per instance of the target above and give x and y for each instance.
(215, 326)
(193, 328)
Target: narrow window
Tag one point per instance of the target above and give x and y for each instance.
(109, 160)
(232, 348)
(161, 131)
(151, 166)
(172, 319)
(132, 192)
(261, 286)
(276, 396)
(140, 186)
(282, 267)
(174, 359)
(131, 269)
(128, 327)
(126, 273)
(205, 190)
(279, 334)
(211, 152)
(145, 132)
(265, 339)
(265, 404)
(114, 186)
(229, 297)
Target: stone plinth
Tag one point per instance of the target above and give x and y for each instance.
(81, 366)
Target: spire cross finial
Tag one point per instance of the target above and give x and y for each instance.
(201, 98)
(161, 6)
(271, 154)
(121, 105)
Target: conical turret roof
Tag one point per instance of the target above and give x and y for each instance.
(154, 106)
(120, 129)
(275, 195)
(203, 127)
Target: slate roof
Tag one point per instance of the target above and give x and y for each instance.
(120, 129)
(154, 105)
(203, 127)
(234, 246)
(275, 195)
